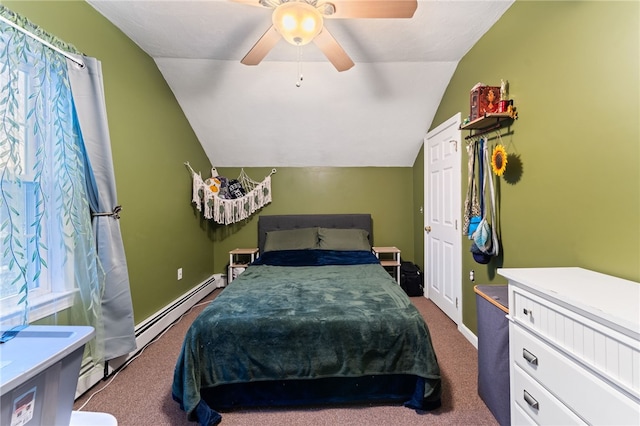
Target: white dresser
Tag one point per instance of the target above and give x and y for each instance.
(574, 347)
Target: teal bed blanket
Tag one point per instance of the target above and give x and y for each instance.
(305, 323)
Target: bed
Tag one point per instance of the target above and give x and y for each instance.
(314, 320)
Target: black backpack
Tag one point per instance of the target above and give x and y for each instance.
(411, 279)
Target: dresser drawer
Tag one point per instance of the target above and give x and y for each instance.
(519, 417)
(538, 403)
(607, 352)
(597, 401)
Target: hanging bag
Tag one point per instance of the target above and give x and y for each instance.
(485, 239)
(495, 244)
(477, 219)
(472, 212)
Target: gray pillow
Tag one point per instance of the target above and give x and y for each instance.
(343, 239)
(291, 239)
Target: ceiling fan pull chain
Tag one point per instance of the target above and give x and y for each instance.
(299, 82)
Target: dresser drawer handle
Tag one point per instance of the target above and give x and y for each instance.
(531, 358)
(531, 400)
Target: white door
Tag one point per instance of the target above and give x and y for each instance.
(442, 217)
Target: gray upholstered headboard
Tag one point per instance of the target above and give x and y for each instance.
(342, 221)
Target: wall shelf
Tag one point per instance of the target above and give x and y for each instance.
(488, 123)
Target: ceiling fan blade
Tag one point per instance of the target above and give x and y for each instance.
(262, 47)
(249, 2)
(374, 8)
(333, 51)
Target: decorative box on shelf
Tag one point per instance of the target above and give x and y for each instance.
(484, 100)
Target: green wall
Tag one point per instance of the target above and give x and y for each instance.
(571, 194)
(150, 139)
(385, 192)
(418, 208)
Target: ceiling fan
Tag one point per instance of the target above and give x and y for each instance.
(301, 21)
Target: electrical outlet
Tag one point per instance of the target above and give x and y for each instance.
(179, 273)
(472, 275)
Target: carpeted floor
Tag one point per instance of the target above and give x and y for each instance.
(140, 394)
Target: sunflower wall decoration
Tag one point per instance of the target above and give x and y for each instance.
(499, 160)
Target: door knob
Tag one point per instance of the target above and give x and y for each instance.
(427, 228)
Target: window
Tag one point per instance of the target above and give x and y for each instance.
(32, 249)
(48, 255)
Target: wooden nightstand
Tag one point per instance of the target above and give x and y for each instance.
(239, 259)
(389, 259)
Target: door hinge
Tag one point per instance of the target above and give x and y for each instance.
(456, 224)
(456, 303)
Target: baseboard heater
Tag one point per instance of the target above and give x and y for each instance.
(146, 331)
(158, 322)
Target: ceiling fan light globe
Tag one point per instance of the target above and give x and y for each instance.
(289, 23)
(308, 24)
(297, 22)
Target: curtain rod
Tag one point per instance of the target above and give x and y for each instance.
(46, 43)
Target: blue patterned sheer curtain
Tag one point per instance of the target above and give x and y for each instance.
(49, 268)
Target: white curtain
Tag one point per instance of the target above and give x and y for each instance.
(49, 269)
(117, 309)
(62, 259)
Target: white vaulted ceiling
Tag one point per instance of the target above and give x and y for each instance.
(375, 114)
